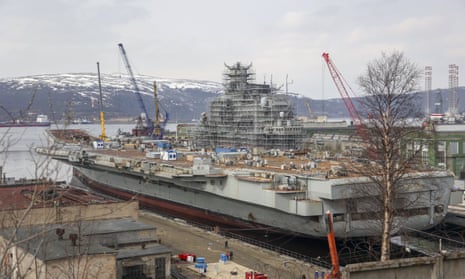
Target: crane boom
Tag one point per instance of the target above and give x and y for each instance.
(342, 88)
(310, 111)
(148, 121)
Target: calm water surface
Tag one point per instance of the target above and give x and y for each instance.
(19, 160)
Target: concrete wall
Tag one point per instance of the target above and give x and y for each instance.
(22, 264)
(447, 266)
(148, 262)
(36, 216)
(100, 266)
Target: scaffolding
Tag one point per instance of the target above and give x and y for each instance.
(428, 81)
(453, 84)
(249, 115)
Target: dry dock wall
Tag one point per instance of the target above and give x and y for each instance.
(446, 266)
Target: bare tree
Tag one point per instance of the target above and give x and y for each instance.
(388, 84)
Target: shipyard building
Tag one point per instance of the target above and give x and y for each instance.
(249, 115)
(52, 231)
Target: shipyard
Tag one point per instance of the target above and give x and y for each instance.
(236, 195)
(244, 166)
(240, 140)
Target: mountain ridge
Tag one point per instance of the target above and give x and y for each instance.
(76, 95)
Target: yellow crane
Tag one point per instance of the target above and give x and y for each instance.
(160, 121)
(103, 135)
(157, 128)
(310, 111)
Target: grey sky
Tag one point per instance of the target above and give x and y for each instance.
(192, 39)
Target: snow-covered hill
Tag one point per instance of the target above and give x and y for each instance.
(78, 94)
(110, 83)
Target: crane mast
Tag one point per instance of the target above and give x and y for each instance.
(342, 86)
(159, 127)
(103, 135)
(335, 270)
(156, 129)
(148, 121)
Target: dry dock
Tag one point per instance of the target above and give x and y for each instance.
(184, 238)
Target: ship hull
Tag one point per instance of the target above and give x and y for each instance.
(191, 199)
(186, 201)
(164, 206)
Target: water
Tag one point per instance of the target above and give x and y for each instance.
(19, 160)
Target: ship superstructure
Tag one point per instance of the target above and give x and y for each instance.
(249, 115)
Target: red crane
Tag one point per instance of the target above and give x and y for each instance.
(342, 86)
(335, 270)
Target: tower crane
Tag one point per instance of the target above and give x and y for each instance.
(145, 125)
(342, 86)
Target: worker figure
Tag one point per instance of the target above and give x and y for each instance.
(227, 255)
(231, 255)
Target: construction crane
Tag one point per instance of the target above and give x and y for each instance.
(158, 129)
(103, 135)
(342, 87)
(310, 111)
(335, 269)
(145, 125)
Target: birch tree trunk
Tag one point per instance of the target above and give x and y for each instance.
(388, 84)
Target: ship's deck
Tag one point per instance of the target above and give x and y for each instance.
(277, 164)
(287, 163)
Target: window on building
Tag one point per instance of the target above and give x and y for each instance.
(441, 156)
(424, 156)
(160, 271)
(134, 271)
(453, 148)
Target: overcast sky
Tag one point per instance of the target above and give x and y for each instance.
(193, 38)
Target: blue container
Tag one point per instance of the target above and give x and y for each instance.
(223, 258)
(200, 265)
(200, 260)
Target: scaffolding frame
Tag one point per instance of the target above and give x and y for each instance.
(249, 115)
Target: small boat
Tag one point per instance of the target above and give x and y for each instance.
(41, 121)
(80, 121)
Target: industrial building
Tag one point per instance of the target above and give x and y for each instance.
(249, 115)
(65, 232)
